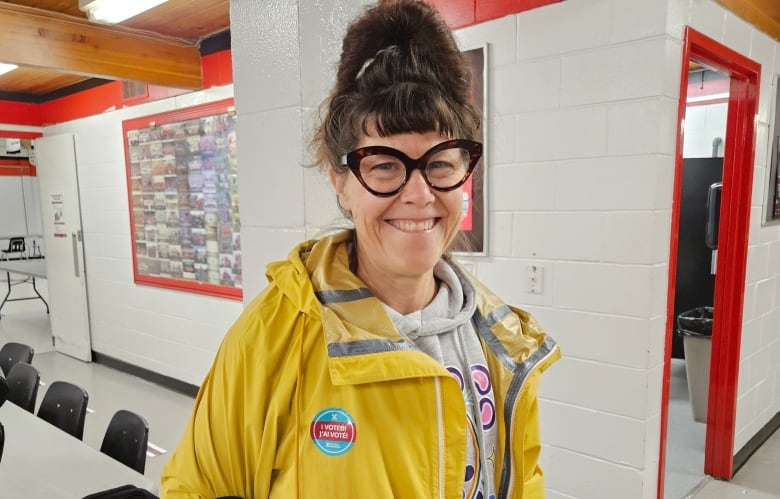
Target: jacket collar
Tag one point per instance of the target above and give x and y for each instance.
(362, 343)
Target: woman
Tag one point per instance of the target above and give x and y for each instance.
(373, 365)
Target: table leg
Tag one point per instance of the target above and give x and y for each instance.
(8, 294)
(8, 281)
(39, 295)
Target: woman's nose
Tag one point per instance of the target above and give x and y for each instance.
(417, 189)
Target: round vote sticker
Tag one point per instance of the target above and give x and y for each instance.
(333, 431)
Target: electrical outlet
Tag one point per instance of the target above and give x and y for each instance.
(534, 278)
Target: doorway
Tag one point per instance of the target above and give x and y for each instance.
(732, 239)
(694, 289)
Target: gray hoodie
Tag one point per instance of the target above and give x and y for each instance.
(444, 330)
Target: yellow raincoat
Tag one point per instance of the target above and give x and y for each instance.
(314, 394)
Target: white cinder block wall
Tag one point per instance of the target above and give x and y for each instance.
(284, 56)
(169, 332)
(583, 108)
(703, 124)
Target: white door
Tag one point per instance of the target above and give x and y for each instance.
(61, 212)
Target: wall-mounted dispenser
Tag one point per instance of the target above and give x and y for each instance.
(713, 215)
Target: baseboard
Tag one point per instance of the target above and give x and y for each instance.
(157, 378)
(741, 457)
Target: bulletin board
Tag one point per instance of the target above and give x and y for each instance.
(472, 239)
(182, 182)
(772, 203)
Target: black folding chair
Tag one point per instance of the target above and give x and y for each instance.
(23, 383)
(65, 406)
(12, 353)
(15, 245)
(126, 439)
(3, 390)
(3, 393)
(122, 492)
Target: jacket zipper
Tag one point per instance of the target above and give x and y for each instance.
(503, 492)
(440, 421)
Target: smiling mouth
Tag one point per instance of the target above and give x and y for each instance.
(413, 225)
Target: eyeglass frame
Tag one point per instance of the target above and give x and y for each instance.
(352, 160)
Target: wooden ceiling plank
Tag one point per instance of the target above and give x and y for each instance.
(35, 81)
(188, 19)
(759, 13)
(79, 47)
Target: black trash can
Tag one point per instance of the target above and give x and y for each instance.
(695, 326)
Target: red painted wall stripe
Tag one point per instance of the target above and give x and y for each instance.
(493, 9)
(17, 170)
(217, 68)
(90, 102)
(456, 13)
(15, 167)
(20, 113)
(20, 135)
(464, 13)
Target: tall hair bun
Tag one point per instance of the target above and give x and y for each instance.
(411, 32)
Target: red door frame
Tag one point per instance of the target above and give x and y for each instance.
(738, 164)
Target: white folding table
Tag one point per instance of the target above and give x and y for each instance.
(40, 461)
(30, 268)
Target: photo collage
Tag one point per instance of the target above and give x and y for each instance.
(184, 188)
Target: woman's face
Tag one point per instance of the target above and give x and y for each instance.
(404, 235)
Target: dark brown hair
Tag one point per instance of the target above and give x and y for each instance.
(400, 71)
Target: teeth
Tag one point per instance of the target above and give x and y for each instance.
(409, 226)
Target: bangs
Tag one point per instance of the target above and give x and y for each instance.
(407, 108)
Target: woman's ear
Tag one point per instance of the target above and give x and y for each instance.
(335, 179)
(339, 182)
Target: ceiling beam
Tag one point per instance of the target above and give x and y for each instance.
(57, 42)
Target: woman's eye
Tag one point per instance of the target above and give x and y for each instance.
(440, 165)
(440, 169)
(385, 166)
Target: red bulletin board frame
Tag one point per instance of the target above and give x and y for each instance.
(183, 200)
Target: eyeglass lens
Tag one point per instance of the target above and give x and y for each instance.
(444, 169)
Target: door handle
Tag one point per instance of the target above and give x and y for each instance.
(75, 254)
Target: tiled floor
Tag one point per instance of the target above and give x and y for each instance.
(758, 479)
(685, 439)
(684, 478)
(167, 412)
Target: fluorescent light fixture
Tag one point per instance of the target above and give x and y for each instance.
(115, 11)
(5, 68)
